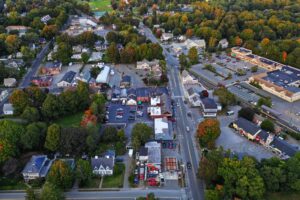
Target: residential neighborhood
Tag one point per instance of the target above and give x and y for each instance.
(118, 99)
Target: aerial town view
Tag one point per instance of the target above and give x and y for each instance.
(150, 99)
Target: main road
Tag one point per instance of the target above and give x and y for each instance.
(190, 153)
(130, 194)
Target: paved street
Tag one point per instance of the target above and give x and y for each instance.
(130, 194)
(186, 139)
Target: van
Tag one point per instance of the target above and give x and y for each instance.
(230, 112)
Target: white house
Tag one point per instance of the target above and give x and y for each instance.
(103, 76)
(8, 109)
(103, 166)
(67, 79)
(199, 43)
(166, 36)
(223, 43)
(187, 79)
(9, 82)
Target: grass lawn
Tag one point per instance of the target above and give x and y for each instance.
(70, 120)
(281, 196)
(116, 180)
(11, 184)
(94, 183)
(100, 5)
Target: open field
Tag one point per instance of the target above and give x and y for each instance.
(71, 120)
(100, 5)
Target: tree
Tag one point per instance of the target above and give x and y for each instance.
(211, 195)
(50, 191)
(31, 114)
(94, 72)
(28, 54)
(264, 101)
(34, 135)
(247, 113)
(141, 133)
(49, 31)
(20, 100)
(83, 171)
(241, 179)
(85, 57)
(109, 134)
(51, 108)
(64, 53)
(273, 174)
(208, 131)
(226, 98)
(60, 175)
(184, 64)
(12, 43)
(268, 125)
(53, 137)
(193, 55)
(254, 68)
(209, 165)
(189, 33)
(293, 172)
(247, 34)
(83, 95)
(30, 195)
(7, 150)
(112, 53)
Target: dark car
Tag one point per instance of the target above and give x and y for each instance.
(189, 165)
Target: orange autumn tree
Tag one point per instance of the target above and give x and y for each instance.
(208, 131)
(88, 118)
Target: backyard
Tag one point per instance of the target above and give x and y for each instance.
(116, 180)
(71, 120)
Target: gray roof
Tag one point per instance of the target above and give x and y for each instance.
(154, 152)
(209, 103)
(68, 77)
(143, 151)
(55, 64)
(8, 107)
(104, 161)
(284, 147)
(263, 135)
(247, 126)
(126, 79)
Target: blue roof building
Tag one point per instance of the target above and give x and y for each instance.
(37, 167)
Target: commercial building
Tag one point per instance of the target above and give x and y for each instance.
(103, 77)
(161, 129)
(284, 83)
(246, 128)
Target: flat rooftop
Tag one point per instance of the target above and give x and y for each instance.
(286, 77)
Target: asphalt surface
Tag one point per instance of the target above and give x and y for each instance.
(195, 186)
(112, 195)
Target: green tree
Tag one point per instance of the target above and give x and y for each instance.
(12, 43)
(254, 68)
(64, 53)
(83, 95)
(34, 135)
(28, 54)
(193, 55)
(51, 108)
(141, 133)
(268, 125)
(85, 57)
(184, 63)
(19, 99)
(208, 131)
(30, 195)
(112, 53)
(109, 134)
(31, 114)
(247, 113)
(53, 137)
(293, 172)
(50, 191)
(211, 195)
(60, 175)
(241, 179)
(264, 101)
(226, 98)
(49, 31)
(83, 171)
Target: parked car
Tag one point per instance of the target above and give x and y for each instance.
(189, 165)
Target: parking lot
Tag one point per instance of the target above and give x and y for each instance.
(224, 66)
(136, 77)
(244, 94)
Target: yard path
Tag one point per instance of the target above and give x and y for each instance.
(100, 184)
(127, 162)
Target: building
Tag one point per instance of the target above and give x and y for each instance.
(67, 79)
(166, 36)
(161, 129)
(3, 95)
(37, 167)
(246, 55)
(95, 57)
(21, 29)
(103, 77)
(9, 82)
(142, 95)
(246, 128)
(187, 79)
(147, 65)
(199, 44)
(209, 107)
(51, 68)
(193, 94)
(8, 109)
(223, 43)
(84, 77)
(282, 148)
(45, 19)
(284, 83)
(42, 81)
(103, 166)
(125, 82)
